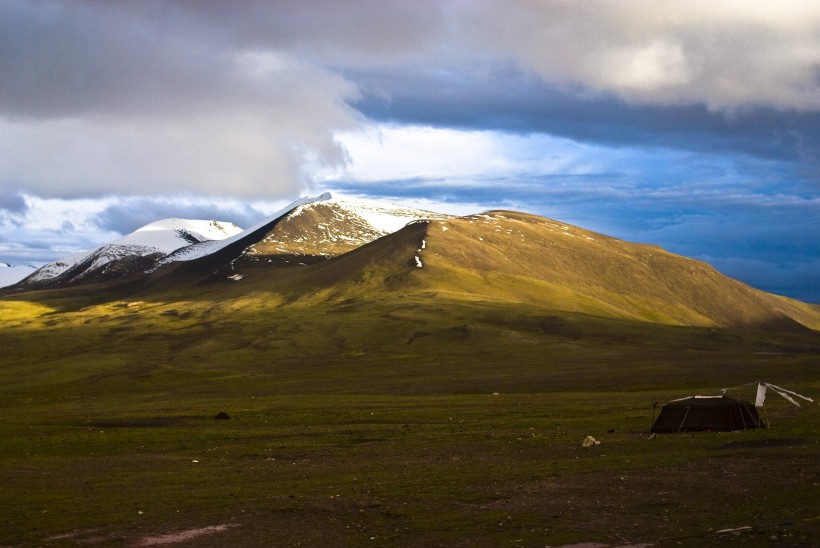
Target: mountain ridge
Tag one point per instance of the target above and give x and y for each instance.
(129, 255)
(326, 252)
(519, 258)
(150, 247)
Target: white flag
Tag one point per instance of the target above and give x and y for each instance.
(773, 387)
(783, 393)
(761, 395)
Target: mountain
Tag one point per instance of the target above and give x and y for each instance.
(305, 231)
(153, 246)
(132, 254)
(309, 232)
(503, 256)
(326, 251)
(320, 230)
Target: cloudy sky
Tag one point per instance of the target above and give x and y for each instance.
(694, 125)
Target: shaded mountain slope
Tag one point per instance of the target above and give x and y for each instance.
(805, 313)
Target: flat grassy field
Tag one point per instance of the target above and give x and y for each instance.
(397, 422)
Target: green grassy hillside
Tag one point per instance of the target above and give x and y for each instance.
(518, 258)
(524, 258)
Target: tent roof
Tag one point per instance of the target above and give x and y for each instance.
(703, 401)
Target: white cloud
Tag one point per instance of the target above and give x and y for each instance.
(99, 100)
(237, 155)
(388, 152)
(139, 98)
(648, 67)
(726, 54)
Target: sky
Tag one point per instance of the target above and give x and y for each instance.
(689, 124)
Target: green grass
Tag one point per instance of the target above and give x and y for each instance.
(375, 422)
(407, 470)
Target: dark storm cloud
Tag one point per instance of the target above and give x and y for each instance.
(797, 280)
(353, 33)
(70, 59)
(512, 101)
(152, 59)
(107, 59)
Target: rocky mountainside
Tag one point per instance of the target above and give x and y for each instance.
(325, 229)
(307, 230)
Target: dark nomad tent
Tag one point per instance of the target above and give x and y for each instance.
(698, 413)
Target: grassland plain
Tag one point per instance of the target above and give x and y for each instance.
(376, 403)
(397, 420)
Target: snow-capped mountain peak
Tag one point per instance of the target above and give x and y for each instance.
(168, 235)
(133, 252)
(331, 227)
(155, 244)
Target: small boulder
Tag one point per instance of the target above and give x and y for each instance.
(222, 416)
(589, 441)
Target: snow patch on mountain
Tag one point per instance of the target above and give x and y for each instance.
(203, 249)
(169, 235)
(152, 245)
(386, 217)
(347, 224)
(52, 270)
(338, 226)
(158, 238)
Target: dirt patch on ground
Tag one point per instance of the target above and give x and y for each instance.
(82, 536)
(184, 536)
